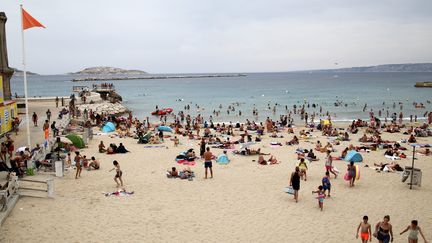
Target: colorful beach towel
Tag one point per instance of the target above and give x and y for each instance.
(122, 193)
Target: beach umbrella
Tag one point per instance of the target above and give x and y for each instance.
(76, 140)
(165, 128)
(353, 156)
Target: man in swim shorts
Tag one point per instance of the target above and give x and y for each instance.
(207, 162)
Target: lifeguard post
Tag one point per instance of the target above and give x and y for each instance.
(8, 107)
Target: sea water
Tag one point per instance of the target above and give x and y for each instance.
(259, 90)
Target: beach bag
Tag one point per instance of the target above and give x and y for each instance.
(289, 190)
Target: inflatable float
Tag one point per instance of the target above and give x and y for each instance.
(162, 112)
(357, 175)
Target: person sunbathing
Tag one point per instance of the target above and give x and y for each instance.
(121, 149)
(271, 161)
(328, 147)
(253, 151)
(94, 164)
(318, 146)
(173, 173)
(364, 139)
(426, 151)
(412, 139)
(102, 147)
(293, 141)
(388, 167)
(311, 156)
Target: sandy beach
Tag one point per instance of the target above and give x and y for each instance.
(244, 202)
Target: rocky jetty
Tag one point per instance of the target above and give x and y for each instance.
(111, 78)
(105, 107)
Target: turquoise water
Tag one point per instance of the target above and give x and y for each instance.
(259, 90)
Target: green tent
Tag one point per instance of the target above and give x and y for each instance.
(76, 140)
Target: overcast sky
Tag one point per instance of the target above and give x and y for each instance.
(168, 36)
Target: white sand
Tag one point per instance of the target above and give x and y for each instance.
(243, 203)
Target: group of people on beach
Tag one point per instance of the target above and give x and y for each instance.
(383, 231)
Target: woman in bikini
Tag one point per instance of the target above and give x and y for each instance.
(118, 175)
(383, 230)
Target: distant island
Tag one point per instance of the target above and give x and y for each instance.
(18, 72)
(399, 68)
(108, 71)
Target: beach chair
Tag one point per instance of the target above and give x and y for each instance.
(145, 138)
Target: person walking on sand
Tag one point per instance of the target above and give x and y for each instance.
(329, 164)
(326, 184)
(78, 165)
(320, 196)
(365, 232)
(56, 101)
(202, 147)
(118, 175)
(351, 173)
(35, 119)
(413, 234)
(295, 182)
(208, 162)
(48, 114)
(383, 230)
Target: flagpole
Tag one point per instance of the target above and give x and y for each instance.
(25, 79)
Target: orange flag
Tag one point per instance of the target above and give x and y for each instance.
(28, 21)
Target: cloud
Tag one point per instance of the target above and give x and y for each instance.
(220, 36)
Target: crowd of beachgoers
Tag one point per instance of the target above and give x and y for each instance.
(223, 142)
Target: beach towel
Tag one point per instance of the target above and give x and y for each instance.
(155, 146)
(121, 193)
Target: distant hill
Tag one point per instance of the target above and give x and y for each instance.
(21, 73)
(107, 71)
(407, 67)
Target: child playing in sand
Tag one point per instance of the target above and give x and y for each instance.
(176, 141)
(118, 175)
(68, 160)
(365, 233)
(320, 197)
(326, 183)
(414, 230)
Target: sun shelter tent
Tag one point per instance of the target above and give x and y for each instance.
(222, 159)
(354, 156)
(109, 127)
(76, 140)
